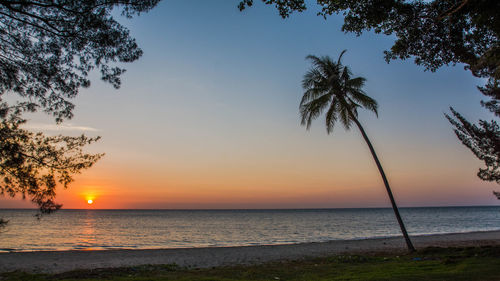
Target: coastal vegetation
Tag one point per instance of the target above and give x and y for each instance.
(47, 51)
(329, 86)
(484, 141)
(435, 33)
(472, 263)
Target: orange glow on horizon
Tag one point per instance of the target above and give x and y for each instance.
(270, 184)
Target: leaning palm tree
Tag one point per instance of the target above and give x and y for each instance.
(329, 86)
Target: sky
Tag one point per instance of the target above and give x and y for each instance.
(208, 118)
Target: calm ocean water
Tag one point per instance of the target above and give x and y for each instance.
(149, 229)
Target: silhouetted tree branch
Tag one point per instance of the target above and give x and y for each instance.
(483, 141)
(497, 194)
(435, 33)
(32, 164)
(47, 50)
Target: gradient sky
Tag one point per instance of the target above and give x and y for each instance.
(208, 118)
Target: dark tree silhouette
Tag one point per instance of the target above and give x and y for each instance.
(329, 86)
(483, 141)
(497, 194)
(32, 164)
(434, 33)
(47, 50)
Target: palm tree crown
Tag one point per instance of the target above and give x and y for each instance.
(329, 84)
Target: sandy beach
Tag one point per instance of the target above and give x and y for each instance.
(62, 261)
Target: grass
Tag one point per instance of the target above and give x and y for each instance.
(479, 263)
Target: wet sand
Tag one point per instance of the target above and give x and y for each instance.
(62, 261)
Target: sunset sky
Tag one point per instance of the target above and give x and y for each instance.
(208, 118)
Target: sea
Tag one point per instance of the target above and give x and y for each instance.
(153, 229)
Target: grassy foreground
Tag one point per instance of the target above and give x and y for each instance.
(427, 264)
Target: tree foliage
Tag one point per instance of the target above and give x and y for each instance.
(497, 194)
(329, 86)
(47, 51)
(483, 141)
(435, 33)
(48, 48)
(32, 164)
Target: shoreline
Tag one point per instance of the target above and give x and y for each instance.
(63, 261)
(110, 248)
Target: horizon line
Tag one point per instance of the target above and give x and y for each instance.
(249, 209)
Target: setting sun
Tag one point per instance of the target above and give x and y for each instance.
(90, 201)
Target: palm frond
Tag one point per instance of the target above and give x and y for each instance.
(312, 78)
(325, 65)
(312, 94)
(346, 75)
(320, 64)
(365, 101)
(356, 83)
(339, 60)
(345, 118)
(332, 115)
(332, 69)
(311, 110)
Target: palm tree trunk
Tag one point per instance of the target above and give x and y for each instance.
(386, 183)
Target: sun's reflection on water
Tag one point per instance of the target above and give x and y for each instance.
(88, 238)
